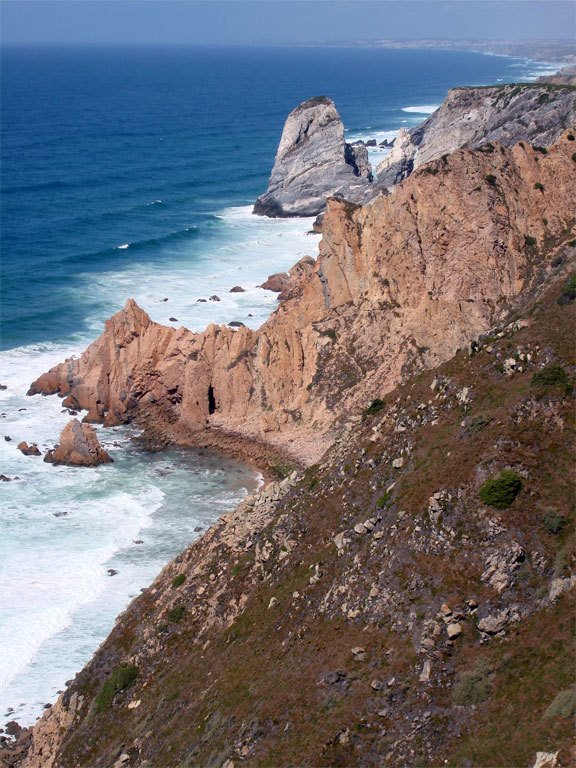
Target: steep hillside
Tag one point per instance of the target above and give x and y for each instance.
(400, 284)
(408, 601)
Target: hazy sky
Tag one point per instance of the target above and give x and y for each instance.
(253, 21)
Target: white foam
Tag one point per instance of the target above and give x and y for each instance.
(123, 246)
(243, 251)
(425, 109)
(61, 528)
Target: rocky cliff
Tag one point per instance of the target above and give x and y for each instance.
(407, 602)
(400, 284)
(313, 162)
(535, 113)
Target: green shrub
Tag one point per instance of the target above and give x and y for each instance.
(539, 186)
(569, 291)
(500, 491)
(477, 423)
(529, 240)
(383, 500)
(553, 521)
(175, 614)
(574, 156)
(121, 679)
(487, 148)
(473, 687)
(282, 471)
(543, 98)
(542, 150)
(491, 179)
(563, 705)
(177, 581)
(570, 137)
(552, 375)
(374, 407)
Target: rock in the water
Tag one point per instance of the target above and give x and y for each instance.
(29, 450)
(314, 162)
(317, 226)
(237, 289)
(277, 282)
(78, 447)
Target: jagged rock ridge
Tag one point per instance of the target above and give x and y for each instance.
(313, 162)
(469, 117)
(400, 284)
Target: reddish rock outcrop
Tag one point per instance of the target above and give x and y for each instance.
(78, 447)
(276, 282)
(29, 450)
(400, 284)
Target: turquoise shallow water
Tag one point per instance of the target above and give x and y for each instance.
(131, 173)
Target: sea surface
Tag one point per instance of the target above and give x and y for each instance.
(130, 172)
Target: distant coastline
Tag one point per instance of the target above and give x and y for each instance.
(558, 51)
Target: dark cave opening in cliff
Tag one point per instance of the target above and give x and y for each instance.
(211, 400)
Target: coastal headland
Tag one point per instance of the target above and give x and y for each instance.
(387, 599)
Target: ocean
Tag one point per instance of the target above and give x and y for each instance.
(130, 172)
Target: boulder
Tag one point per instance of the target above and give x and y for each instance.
(78, 447)
(237, 289)
(313, 162)
(29, 450)
(277, 282)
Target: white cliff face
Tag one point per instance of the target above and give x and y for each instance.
(313, 162)
(471, 117)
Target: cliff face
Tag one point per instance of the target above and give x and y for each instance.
(313, 162)
(469, 117)
(400, 284)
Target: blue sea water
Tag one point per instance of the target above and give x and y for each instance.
(130, 172)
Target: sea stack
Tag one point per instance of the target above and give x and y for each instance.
(78, 447)
(313, 162)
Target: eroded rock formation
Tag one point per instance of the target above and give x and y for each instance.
(313, 162)
(400, 284)
(78, 447)
(469, 117)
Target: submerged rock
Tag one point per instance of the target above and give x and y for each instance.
(78, 447)
(314, 162)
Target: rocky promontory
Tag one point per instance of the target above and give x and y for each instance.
(400, 284)
(469, 117)
(314, 162)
